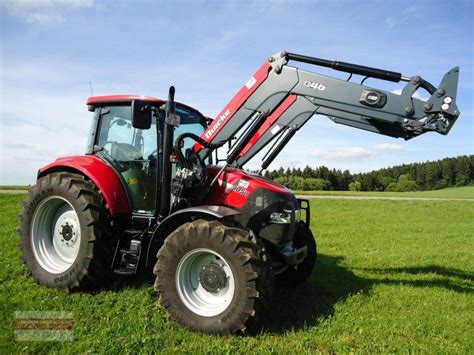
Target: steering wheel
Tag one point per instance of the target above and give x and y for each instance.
(127, 151)
(115, 145)
(124, 155)
(153, 152)
(112, 145)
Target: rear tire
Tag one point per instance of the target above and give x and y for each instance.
(294, 276)
(213, 278)
(65, 235)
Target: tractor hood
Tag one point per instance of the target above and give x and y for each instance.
(236, 188)
(257, 199)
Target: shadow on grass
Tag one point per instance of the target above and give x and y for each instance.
(331, 283)
(314, 301)
(134, 282)
(441, 277)
(429, 269)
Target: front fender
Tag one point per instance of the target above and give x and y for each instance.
(99, 172)
(180, 217)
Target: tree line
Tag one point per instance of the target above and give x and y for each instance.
(448, 172)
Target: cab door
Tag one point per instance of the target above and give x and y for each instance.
(132, 152)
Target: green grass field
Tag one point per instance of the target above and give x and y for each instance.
(14, 187)
(391, 276)
(465, 192)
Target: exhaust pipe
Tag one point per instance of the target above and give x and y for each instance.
(168, 133)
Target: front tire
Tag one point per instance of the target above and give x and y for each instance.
(64, 234)
(213, 278)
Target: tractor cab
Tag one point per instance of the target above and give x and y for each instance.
(133, 152)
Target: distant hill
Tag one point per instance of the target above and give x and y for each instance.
(431, 175)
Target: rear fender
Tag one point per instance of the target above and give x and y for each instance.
(100, 173)
(180, 217)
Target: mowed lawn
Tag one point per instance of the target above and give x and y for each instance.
(391, 276)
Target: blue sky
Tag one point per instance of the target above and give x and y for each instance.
(51, 49)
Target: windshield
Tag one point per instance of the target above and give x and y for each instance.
(120, 140)
(190, 122)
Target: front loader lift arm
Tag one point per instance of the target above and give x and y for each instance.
(279, 99)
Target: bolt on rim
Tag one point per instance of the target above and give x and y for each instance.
(55, 234)
(210, 296)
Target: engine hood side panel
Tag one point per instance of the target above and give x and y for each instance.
(235, 187)
(256, 198)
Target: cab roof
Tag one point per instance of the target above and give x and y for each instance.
(111, 99)
(107, 99)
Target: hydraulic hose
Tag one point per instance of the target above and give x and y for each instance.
(347, 67)
(382, 74)
(427, 86)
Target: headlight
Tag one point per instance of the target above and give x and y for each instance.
(284, 217)
(280, 218)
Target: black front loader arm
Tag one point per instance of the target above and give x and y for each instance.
(289, 97)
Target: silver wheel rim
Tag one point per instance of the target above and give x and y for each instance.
(55, 234)
(190, 290)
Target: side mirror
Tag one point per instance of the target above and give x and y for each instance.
(141, 114)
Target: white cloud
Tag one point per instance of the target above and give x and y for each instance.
(389, 22)
(40, 120)
(45, 143)
(389, 148)
(42, 18)
(18, 5)
(43, 12)
(351, 153)
(343, 153)
(407, 15)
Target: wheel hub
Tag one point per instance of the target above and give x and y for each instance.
(66, 232)
(205, 282)
(212, 277)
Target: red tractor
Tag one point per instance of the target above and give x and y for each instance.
(149, 193)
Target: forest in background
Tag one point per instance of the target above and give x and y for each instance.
(432, 175)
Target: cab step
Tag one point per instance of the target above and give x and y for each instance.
(126, 260)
